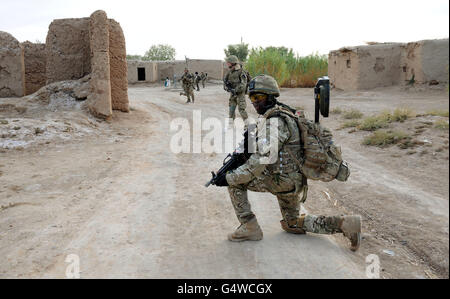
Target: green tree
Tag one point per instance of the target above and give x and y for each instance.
(160, 53)
(240, 50)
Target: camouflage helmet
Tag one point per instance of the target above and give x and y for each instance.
(232, 59)
(264, 84)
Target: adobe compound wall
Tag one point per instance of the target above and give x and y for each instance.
(35, 60)
(12, 69)
(159, 70)
(150, 71)
(74, 49)
(378, 65)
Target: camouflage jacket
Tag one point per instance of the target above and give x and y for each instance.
(237, 79)
(274, 150)
(187, 79)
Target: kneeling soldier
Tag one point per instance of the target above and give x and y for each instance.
(282, 178)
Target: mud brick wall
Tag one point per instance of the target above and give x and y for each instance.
(99, 99)
(151, 71)
(68, 50)
(12, 70)
(378, 65)
(35, 66)
(118, 67)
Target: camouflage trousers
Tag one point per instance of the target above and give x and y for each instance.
(238, 101)
(189, 93)
(204, 84)
(287, 190)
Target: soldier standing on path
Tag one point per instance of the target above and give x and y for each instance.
(203, 77)
(235, 83)
(188, 86)
(197, 80)
(281, 175)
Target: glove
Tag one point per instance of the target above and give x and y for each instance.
(221, 181)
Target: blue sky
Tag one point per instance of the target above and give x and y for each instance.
(202, 28)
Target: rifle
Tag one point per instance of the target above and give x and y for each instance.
(233, 161)
(229, 88)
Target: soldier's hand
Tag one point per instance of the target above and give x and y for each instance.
(221, 181)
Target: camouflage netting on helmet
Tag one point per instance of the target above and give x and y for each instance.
(264, 84)
(232, 59)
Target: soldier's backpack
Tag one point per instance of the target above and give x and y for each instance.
(321, 158)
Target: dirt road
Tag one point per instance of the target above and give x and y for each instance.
(130, 208)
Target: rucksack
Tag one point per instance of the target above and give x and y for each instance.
(321, 158)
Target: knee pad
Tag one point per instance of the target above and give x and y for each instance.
(294, 226)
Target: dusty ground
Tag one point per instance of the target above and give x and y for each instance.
(115, 195)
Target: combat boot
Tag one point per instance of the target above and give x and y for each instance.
(295, 226)
(250, 231)
(351, 227)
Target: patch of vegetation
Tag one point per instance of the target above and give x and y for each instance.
(373, 123)
(402, 114)
(385, 138)
(350, 124)
(382, 120)
(239, 50)
(441, 124)
(336, 110)
(409, 143)
(353, 114)
(443, 113)
(287, 67)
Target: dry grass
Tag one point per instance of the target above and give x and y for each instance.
(443, 113)
(350, 124)
(336, 111)
(441, 124)
(402, 114)
(382, 120)
(373, 123)
(385, 138)
(353, 114)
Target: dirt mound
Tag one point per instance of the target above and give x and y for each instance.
(56, 112)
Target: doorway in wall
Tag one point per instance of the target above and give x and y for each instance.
(141, 73)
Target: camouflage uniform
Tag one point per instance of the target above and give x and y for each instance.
(203, 77)
(282, 178)
(238, 81)
(188, 86)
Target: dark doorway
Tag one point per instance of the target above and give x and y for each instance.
(141, 73)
